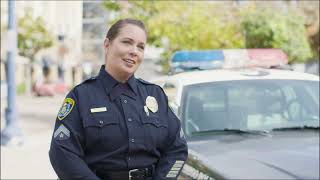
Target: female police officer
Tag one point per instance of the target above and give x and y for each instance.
(115, 126)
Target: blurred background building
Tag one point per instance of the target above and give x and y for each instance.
(78, 29)
(94, 26)
(62, 19)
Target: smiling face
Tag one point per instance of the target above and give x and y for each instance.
(125, 52)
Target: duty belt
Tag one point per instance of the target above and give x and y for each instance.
(133, 174)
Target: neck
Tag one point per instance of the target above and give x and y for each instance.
(120, 77)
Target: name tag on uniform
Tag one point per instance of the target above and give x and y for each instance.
(101, 109)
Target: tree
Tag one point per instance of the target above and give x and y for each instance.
(32, 35)
(177, 25)
(310, 10)
(265, 28)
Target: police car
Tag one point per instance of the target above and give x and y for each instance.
(248, 123)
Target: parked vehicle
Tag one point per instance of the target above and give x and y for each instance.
(248, 123)
(50, 89)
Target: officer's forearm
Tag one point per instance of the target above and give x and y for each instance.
(69, 165)
(168, 169)
(173, 158)
(171, 163)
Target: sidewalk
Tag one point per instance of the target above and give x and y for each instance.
(36, 117)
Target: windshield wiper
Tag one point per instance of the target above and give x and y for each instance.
(248, 131)
(296, 128)
(240, 131)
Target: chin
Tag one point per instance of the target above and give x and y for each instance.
(129, 71)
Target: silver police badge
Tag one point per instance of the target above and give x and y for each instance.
(152, 104)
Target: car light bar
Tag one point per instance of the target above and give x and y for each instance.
(229, 58)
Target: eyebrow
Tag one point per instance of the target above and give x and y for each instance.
(132, 40)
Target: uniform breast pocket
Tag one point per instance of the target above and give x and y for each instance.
(156, 130)
(102, 129)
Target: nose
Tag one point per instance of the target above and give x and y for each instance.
(134, 51)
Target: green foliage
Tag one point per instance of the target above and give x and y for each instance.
(21, 88)
(32, 35)
(270, 29)
(111, 5)
(177, 25)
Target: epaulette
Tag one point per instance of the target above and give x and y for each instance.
(145, 82)
(86, 81)
(90, 79)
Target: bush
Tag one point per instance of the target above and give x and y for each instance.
(275, 29)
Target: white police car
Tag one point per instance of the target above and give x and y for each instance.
(248, 123)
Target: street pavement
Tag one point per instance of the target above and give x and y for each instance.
(36, 116)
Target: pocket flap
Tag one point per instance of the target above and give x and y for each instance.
(156, 121)
(101, 119)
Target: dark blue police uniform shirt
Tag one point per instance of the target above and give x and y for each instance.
(103, 125)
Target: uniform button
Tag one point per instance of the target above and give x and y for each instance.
(125, 101)
(101, 122)
(132, 140)
(129, 119)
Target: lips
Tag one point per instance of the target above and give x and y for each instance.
(129, 61)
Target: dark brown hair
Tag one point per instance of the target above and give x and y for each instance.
(116, 27)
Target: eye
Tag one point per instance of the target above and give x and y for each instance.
(141, 47)
(126, 42)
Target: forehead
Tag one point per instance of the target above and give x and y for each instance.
(133, 32)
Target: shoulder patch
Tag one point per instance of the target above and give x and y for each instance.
(66, 108)
(145, 82)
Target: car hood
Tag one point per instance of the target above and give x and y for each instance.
(280, 155)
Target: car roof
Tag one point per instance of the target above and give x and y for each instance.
(197, 77)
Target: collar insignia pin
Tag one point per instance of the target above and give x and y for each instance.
(146, 110)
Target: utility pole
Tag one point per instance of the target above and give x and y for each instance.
(11, 134)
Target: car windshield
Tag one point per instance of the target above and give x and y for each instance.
(250, 105)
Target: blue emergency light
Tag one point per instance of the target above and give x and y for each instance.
(190, 60)
(186, 56)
